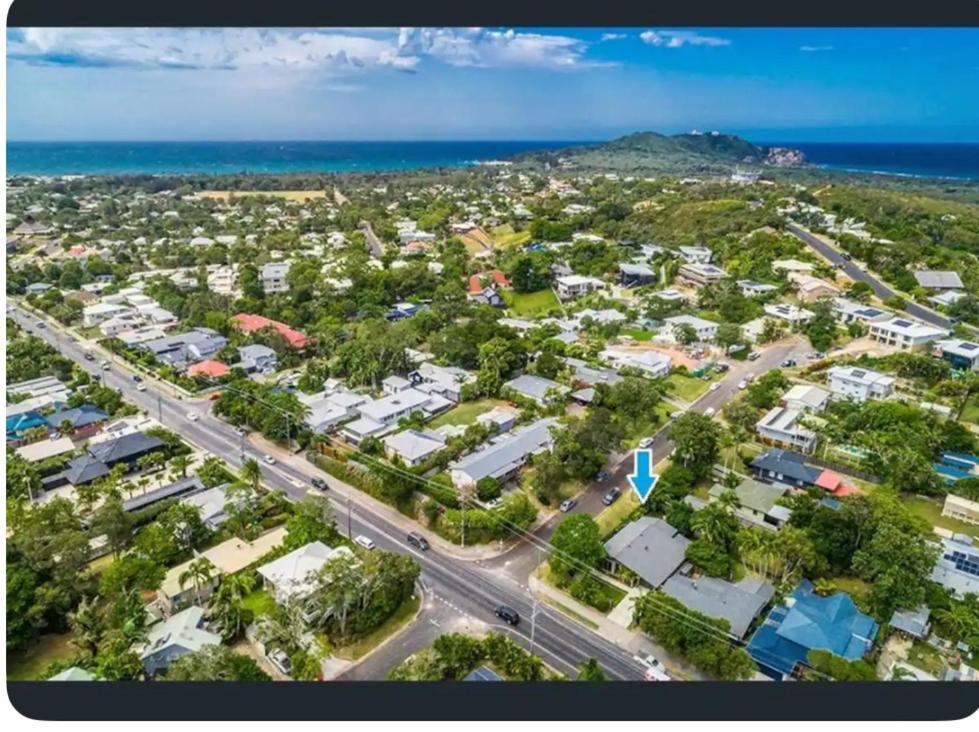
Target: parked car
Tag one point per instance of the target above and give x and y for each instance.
(319, 483)
(105, 365)
(418, 541)
(710, 412)
(743, 384)
(611, 497)
(645, 442)
(507, 614)
(280, 659)
(137, 378)
(567, 504)
(715, 386)
(88, 356)
(40, 324)
(363, 541)
(754, 356)
(788, 362)
(269, 460)
(193, 416)
(603, 475)
(140, 386)
(676, 415)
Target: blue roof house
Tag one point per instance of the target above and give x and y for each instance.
(80, 417)
(18, 424)
(808, 622)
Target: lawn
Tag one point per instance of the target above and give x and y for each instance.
(686, 388)
(610, 519)
(401, 617)
(505, 236)
(923, 656)
(530, 303)
(970, 412)
(260, 602)
(931, 511)
(570, 613)
(637, 334)
(30, 664)
(465, 413)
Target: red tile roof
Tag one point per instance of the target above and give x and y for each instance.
(829, 480)
(475, 286)
(248, 323)
(210, 368)
(499, 278)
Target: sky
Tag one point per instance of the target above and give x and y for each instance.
(790, 85)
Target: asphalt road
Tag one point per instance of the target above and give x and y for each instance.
(858, 274)
(373, 243)
(471, 590)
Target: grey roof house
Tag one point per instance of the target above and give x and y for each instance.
(187, 348)
(536, 388)
(504, 455)
(739, 603)
(256, 357)
(650, 547)
(174, 637)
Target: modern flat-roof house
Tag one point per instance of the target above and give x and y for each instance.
(809, 622)
(963, 355)
(34, 388)
(750, 288)
(807, 397)
(256, 358)
(183, 487)
(792, 265)
(701, 274)
(756, 501)
(273, 276)
(858, 384)
(537, 388)
(782, 426)
(413, 447)
(44, 449)
(954, 466)
(957, 568)
(650, 547)
(850, 311)
(695, 255)
(183, 349)
(447, 381)
(635, 275)
(786, 467)
(906, 334)
(739, 603)
(961, 509)
(570, 286)
(178, 635)
(293, 575)
(504, 455)
(669, 295)
(705, 329)
(652, 362)
(932, 279)
(380, 416)
(97, 314)
(789, 313)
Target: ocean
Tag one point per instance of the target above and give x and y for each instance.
(959, 161)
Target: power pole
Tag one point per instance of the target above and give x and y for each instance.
(533, 625)
(159, 408)
(350, 529)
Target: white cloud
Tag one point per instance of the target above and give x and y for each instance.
(816, 49)
(614, 36)
(678, 39)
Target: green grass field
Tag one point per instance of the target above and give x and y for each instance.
(609, 519)
(638, 334)
(686, 388)
(465, 413)
(30, 664)
(931, 511)
(505, 236)
(530, 303)
(970, 413)
(260, 602)
(401, 617)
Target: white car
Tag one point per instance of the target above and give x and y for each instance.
(193, 416)
(743, 384)
(269, 460)
(715, 386)
(141, 386)
(710, 412)
(364, 542)
(655, 670)
(645, 442)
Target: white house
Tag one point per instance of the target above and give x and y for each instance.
(789, 313)
(504, 455)
(781, 427)
(294, 574)
(906, 334)
(652, 362)
(859, 384)
(961, 354)
(705, 329)
(413, 447)
(273, 276)
(749, 288)
(850, 311)
(570, 286)
(379, 416)
(695, 255)
(806, 397)
(446, 381)
(96, 314)
(701, 274)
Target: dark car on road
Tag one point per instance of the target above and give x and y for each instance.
(418, 541)
(508, 615)
(319, 483)
(604, 475)
(611, 497)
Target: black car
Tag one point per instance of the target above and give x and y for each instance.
(508, 615)
(137, 378)
(611, 497)
(419, 541)
(319, 483)
(604, 475)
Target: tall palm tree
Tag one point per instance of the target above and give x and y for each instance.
(180, 463)
(226, 603)
(251, 472)
(199, 572)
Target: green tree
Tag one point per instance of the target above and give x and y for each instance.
(226, 604)
(198, 574)
(215, 663)
(577, 543)
(590, 671)
(696, 442)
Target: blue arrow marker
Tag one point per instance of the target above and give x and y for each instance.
(643, 479)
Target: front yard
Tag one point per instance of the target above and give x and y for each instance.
(259, 601)
(465, 413)
(530, 303)
(686, 388)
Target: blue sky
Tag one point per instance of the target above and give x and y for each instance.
(468, 84)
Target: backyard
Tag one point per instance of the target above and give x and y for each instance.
(31, 663)
(931, 511)
(530, 303)
(465, 413)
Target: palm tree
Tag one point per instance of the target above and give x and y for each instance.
(86, 626)
(65, 427)
(199, 572)
(226, 604)
(958, 621)
(180, 463)
(251, 472)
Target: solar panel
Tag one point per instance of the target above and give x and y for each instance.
(859, 374)
(968, 346)
(903, 323)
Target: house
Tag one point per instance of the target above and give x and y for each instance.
(749, 288)
(394, 384)
(378, 416)
(44, 449)
(94, 315)
(739, 603)
(273, 276)
(650, 548)
(209, 369)
(912, 623)
(81, 422)
(809, 622)
(210, 504)
(957, 508)
(504, 455)
(858, 384)
(756, 502)
(73, 674)
(670, 295)
(47, 386)
(789, 313)
(806, 397)
(850, 311)
(537, 388)
(126, 449)
(178, 635)
(327, 409)
(938, 279)
(601, 317)
(293, 575)
(570, 286)
(701, 274)
(906, 334)
(20, 424)
(37, 288)
(447, 381)
(792, 265)
(706, 330)
(635, 275)
(249, 323)
(187, 348)
(501, 418)
(957, 567)
(947, 298)
(812, 288)
(695, 255)
(963, 355)
(782, 426)
(592, 375)
(258, 358)
(786, 467)
(413, 447)
(183, 487)
(654, 363)
(483, 673)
